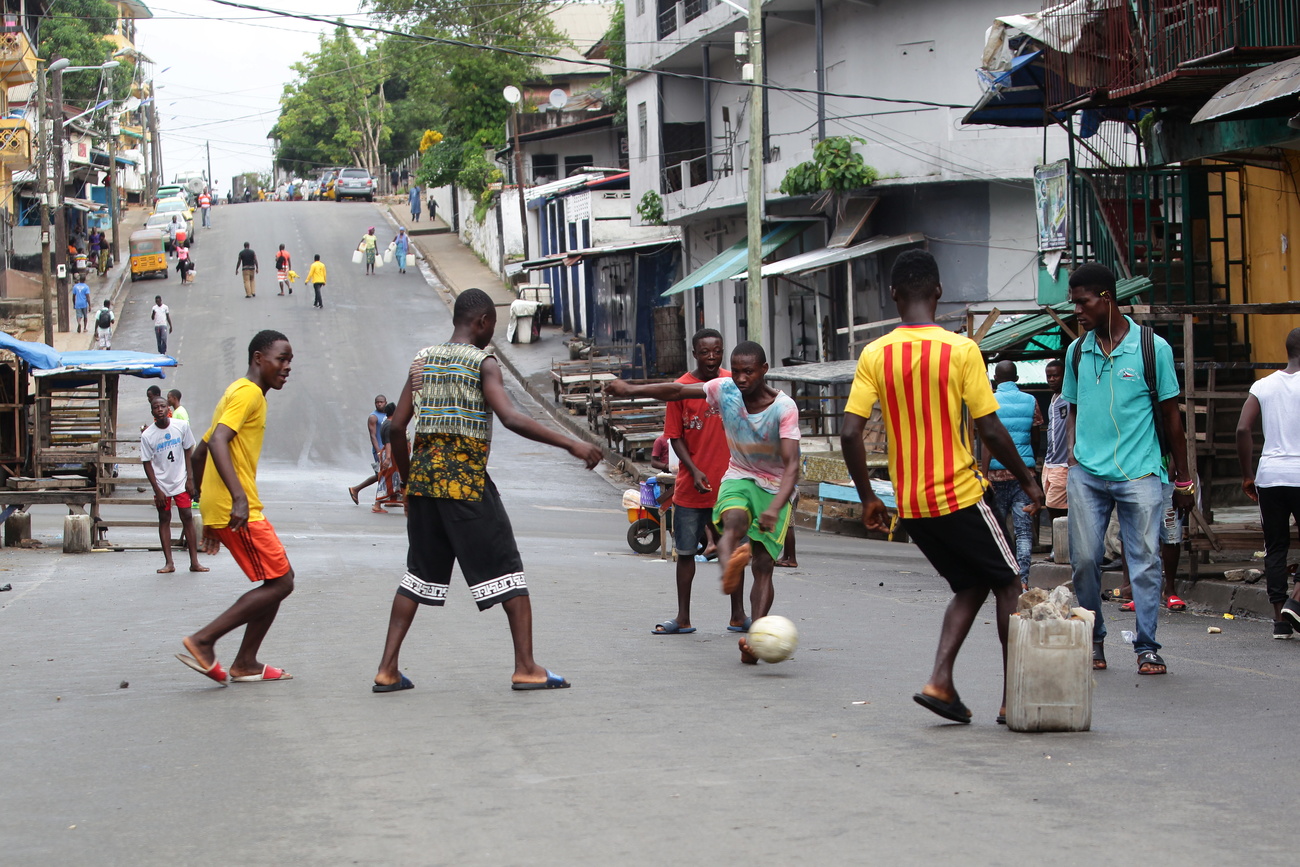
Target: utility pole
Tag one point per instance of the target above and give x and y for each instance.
(113, 200)
(60, 222)
(754, 198)
(519, 177)
(154, 143)
(43, 160)
(208, 145)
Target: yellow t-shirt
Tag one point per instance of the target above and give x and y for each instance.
(922, 375)
(242, 409)
(316, 273)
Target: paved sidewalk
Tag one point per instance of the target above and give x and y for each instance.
(109, 286)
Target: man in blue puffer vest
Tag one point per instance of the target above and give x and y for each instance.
(1020, 415)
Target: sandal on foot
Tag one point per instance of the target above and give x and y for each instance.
(214, 671)
(670, 627)
(1151, 658)
(1173, 603)
(268, 673)
(744, 628)
(950, 710)
(553, 681)
(1098, 656)
(402, 682)
(1128, 606)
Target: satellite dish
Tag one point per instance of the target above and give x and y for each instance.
(196, 185)
(512, 94)
(559, 98)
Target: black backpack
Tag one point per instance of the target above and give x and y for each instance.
(1147, 339)
(105, 318)
(281, 262)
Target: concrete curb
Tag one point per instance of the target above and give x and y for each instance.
(1205, 595)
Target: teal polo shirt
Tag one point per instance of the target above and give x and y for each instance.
(1114, 427)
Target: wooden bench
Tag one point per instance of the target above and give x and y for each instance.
(849, 494)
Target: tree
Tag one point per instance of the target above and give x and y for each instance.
(75, 29)
(336, 111)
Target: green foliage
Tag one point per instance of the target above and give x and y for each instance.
(335, 112)
(651, 208)
(834, 168)
(615, 39)
(75, 29)
(476, 177)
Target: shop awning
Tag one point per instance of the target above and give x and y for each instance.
(1267, 92)
(593, 253)
(816, 260)
(729, 261)
(1014, 97)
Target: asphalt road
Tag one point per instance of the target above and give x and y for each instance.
(665, 750)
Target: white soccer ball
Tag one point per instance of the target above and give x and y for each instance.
(773, 638)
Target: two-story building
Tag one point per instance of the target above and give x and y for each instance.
(17, 129)
(898, 75)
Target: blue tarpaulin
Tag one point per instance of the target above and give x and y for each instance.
(47, 360)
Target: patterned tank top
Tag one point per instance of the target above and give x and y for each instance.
(453, 425)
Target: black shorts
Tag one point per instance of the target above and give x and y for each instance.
(967, 547)
(441, 533)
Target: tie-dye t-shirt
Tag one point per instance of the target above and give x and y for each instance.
(754, 438)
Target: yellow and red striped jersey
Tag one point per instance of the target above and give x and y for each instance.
(922, 375)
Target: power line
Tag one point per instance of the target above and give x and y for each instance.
(603, 65)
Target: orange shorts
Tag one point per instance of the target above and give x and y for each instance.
(256, 549)
(1055, 480)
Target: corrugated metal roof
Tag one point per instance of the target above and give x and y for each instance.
(725, 264)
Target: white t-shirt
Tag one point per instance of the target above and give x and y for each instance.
(165, 449)
(1279, 401)
(160, 314)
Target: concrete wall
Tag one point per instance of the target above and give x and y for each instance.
(501, 222)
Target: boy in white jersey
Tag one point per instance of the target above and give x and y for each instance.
(166, 447)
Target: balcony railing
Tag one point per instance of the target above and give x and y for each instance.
(1188, 47)
(15, 143)
(673, 15)
(17, 60)
(687, 173)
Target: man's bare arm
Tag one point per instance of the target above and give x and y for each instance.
(219, 449)
(656, 390)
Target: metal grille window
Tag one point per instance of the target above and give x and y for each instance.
(643, 132)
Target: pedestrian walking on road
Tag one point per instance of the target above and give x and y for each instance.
(755, 498)
(1275, 483)
(695, 433)
(166, 450)
(369, 247)
(414, 198)
(81, 304)
(205, 208)
(247, 265)
(1056, 461)
(455, 513)
(104, 325)
(373, 422)
(226, 462)
(282, 265)
(1020, 415)
(924, 376)
(316, 277)
(401, 244)
(389, 491)
(1126, 426)
(162, 323)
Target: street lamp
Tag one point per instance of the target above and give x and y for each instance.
(58, 68)
(514, 96)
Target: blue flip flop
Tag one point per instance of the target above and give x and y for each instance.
(553, 681)
(670, 627)
(403, 682)
(745, 628)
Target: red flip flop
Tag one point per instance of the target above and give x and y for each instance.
(214, 671)
(1127, 606)
(1173, 603)
(268, 673)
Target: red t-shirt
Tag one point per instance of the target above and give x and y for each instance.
(699, 426)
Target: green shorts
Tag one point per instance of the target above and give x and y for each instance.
(745, 494)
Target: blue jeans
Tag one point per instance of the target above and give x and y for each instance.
(1139, 507)
(206, 219)
(1011, 497)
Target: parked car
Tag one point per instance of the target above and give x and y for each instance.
(161, 222)
(178, 206)
(354, 184)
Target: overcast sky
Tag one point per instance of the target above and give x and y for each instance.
(220, 72)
